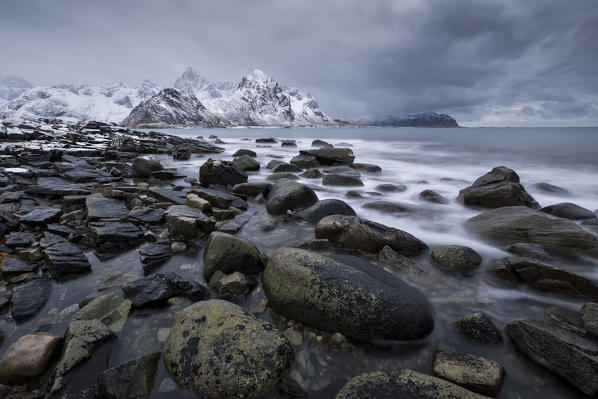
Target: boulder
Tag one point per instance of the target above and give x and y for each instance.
(458, 257)
(544, 277)
(498, 188)
(398, 262)
(366, 167)
(569, 210)
(475, 373)
(406, 384)
(323, 208)
(331, 155)
(181, 153)
(186, 222)
(337, 179)
(305, 161)
(224, 173)
(273, 163)
(288, 143)
(391, 188)
(549, 189)
(253, 189)
(320, 143)
(30, 297)
(266, 140)
(158, 288)
(154, 255)
(356, 233)
(220, 199)
(286, 167)
(479, 327)
(389, 207)
(228, 253)
(114, 236)
(311, 174)
(231, 285)
(560, 351)
(518, 224)
(41, 216)
(65, 258)
(247, 163)
(589, 316)
(134, 379)
(289, 195)
(144, 166)
(525, 250)
(29, 357)
(282, 175)
(220, 351)
(242, 152)
(331, 296)
(111, 310)
(433, 197)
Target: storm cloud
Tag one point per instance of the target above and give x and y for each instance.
(505, 62)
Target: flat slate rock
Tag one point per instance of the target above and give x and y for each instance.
(147, 215)
(168, 195)
(18, 239)
(220, 199)
(30, 297)
(158, 288)
(100, 207)
(12, 266)
(65, 257)
(116, 235)
(154, 255)
(41, 216)
(134, 379)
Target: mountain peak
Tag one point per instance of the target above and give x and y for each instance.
(190, 74)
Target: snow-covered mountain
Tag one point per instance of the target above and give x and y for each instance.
(12, 87)
(107, 103)
(171, 107)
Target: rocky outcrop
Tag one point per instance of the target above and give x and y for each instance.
(223, 173)
(331, 155)
(332, 296)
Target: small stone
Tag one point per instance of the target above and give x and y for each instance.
(195, 201)
(338, 338)
(478, 326)
(178, 247)
(457, 257)
(294, 336)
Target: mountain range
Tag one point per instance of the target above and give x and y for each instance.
(191, 100)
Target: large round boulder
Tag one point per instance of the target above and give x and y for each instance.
(518, 224)
(289, 195)
(220, 351)
(228, 253)
(144, 166)
(246, 162)
(332, 296)
(569, 210)
(497, 188)
(224, 173)
(356, 233)
(324, 208)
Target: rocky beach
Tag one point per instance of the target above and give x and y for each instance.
(138, 264)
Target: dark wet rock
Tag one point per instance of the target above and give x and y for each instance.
(214, 342)
(398, 262)
(323, 208)
(289, 195)
(61, 229)
(18, 239)
(519, 224)
(458, 257)
(221, 172)
(30, 297)
(273, 163)
(187, 222)
(41, 216)
(266, 140)
(82, 339)
(353, 194)
(242, 152)
(560, 351)
(389, 207)
(134, 379)
(549, 189)
(332, 296)
(220, 199)
(591, 224)
(288, 143)
(286, 167)
(147, 215)
(356, 233)
(433, 197)
(335, 179)
(195, 201)
(154, 255)
(111, 310)
(475, 373)
(569, 210)
(479, 327)
(533, 251)
(168, 195)
(544, 277)
(253, 189)
(181, 153)
(228, 253)
(223, 214)
(498, 188)
(14, 266)
(109, 236)
(388, 187)
(158, 288)
(320, 143)
(166, 174)
(366, 167)
(282, 175)
(305, 161)
(406, 384)
(589, 315)
(311, 174)
(143, 166)
(100, 207)
(342, 170)
(56, 187)
(231, 285)
(64, 258)
(235, 225)
(247, 163)
(567, 319)
(331, 156)
(29, 357)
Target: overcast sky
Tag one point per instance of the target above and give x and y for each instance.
(495, 63)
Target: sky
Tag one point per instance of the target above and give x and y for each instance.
(484, 62)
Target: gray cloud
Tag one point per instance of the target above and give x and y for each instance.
(488, 62)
